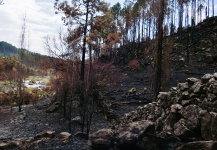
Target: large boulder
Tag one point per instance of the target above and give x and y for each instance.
(191, 115)
(127, 135)
(181, 130)
(208, 126)
(102, 139)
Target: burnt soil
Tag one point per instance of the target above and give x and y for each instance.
(117, 100)
(34, 119)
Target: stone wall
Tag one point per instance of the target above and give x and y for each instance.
(187, 113)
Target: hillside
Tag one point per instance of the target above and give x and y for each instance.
(30, 59)
(7, 49)
(184, 116)
(184, 54)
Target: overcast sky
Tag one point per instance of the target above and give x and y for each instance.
(41, 21)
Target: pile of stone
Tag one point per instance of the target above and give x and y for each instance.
(183, 118)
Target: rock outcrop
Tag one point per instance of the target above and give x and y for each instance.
(102, 139)
(128, 135)
(185, 114)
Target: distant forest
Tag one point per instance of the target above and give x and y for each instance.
(7, 49)
(10, 57)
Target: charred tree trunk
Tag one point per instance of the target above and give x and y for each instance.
(159, 51)
(64, 101)
(20, 89)
(70, 117)
(149, 29)
(187, 49)
(180, 21)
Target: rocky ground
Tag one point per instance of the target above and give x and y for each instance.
(117, 101)
(24, 127)
(183, 118)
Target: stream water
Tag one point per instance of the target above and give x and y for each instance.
(36, 84)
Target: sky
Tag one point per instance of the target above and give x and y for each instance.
(41, 21)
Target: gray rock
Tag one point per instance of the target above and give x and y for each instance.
(208, 126)
(22, 143)
(186, 102)
(170, 120)
(183, 86)
(181, 130)
(129, 134)
(192, 80)
(213, 88)
(45, 134)
(199, 145)
(102, 139)
(173, 88)
(64, 136)
(191, 115)
(212, 80)
(197, 87)
(206, 77)
(185, 95)
(215, 75)
(175, 108)
(162, 95)
(211, 97)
